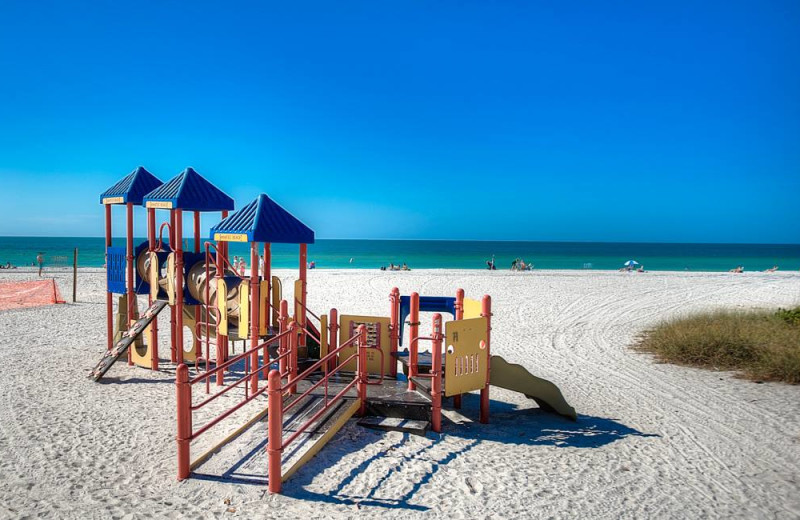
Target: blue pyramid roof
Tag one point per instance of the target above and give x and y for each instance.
(190, 191)
(264, 220)
(131, 188)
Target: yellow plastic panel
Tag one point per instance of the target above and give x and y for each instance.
(465, 357)
(263, 309)
(277, 296)
(472, 309)
(171, 278)
(222, 306)
(244, 309)
(377, 335)
(323, 336)
(298, 309)
(153, 275)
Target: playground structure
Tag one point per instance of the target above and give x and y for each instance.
(306, 378)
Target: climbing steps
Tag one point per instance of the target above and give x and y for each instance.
(127, 339)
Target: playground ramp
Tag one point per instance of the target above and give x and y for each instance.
(127, 339)
(517, 379)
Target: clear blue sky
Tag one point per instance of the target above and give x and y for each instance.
(596, 121)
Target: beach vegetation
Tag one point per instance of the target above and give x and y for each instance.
(760, 345)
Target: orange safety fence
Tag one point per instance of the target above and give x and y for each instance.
(18, 295)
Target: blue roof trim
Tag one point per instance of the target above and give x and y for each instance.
(264, 220)
(133, 187)
(192, 192)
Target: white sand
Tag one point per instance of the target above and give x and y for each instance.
(653, 440)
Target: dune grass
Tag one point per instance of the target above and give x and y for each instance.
(761, 345)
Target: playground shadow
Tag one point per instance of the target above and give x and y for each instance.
(115, 380)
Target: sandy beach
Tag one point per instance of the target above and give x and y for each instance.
(652, 440)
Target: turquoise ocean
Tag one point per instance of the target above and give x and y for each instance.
(445, 254)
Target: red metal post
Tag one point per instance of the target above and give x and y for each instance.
(109, 295)
(362, 368)
(302, 296)
(179, 284)
(413, 332)
(268, 276)
(486, 311)
(254, 314)
(129, 272)
(197, 347)
(394, 325)
(436, 372)
(459, 308)
(283, 343)
(172, 311)
(333, 338)
(183, 391)
(293, 337)
(274, 430)
(151, 243)
(220, 356)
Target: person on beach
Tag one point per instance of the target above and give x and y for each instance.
(514, 264)
(490, 264)
(40, 261)
(312, 265)
(405, 267)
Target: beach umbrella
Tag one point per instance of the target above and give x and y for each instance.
(630, 263)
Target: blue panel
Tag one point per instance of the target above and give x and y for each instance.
(264, 220)
(426, 304)
(133, 187)
(115, 271)
(192, 192)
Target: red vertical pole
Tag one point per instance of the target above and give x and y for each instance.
(109, 295)
(486, 311)
(268, 275)
(413, 332)
(302, 296)
(274, 430)
(220, 343)
(436, 372)
(333, 339)
(283, 345)
(172, 312)
(362, 368)
(179, 284)
(293, 336)
(394, 319)
(151, 241)
(183, 391)
(197, 348)
(223, 250)
(129, 272)
(459, 308)
(254, 314)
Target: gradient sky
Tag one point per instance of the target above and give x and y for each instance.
(596, 121)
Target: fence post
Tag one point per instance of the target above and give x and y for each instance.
(486, 311)
(274, 430)
(413, 331)
(74, 274)
(436, 373)
(293, 337)
(459, 308)
(362, 368)
(183, 391)
(333, 341)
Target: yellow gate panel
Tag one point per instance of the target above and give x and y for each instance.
(263, 307)
(377, 336)
(277, 296)
(153, 275)
(466, 356)
(171, 278)
(244, 309)
(472, 308)
(323, 336)
(222, 306)
(298, 307)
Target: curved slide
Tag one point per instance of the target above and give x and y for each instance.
(517, 379)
